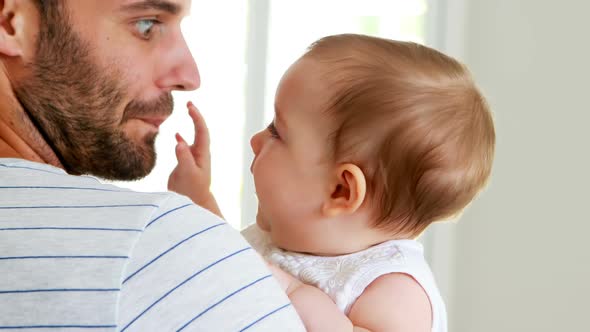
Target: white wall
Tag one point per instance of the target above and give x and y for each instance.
(523, 249)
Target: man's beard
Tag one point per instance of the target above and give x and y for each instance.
(72, 102)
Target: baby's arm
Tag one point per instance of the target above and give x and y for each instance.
(316, 309)
(393, 302)
(192, 175)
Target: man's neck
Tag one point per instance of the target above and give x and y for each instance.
(18, 136)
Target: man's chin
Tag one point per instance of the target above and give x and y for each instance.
(144, 163)
(129, 160)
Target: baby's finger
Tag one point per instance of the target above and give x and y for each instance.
(180, 139)
(183, 154)
(201, 143)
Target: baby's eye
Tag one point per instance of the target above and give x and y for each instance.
(273, 130)
(145, 27)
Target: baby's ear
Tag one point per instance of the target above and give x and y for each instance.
(348, 189)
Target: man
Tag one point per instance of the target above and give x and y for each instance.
(84, 86)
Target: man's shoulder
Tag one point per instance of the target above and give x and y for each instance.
(24, 174)
(51, 191)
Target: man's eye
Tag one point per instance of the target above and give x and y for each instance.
(145, 27)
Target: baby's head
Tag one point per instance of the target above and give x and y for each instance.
(415, 123)
(413, 132)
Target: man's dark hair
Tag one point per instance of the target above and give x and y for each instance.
(47, 8)
(53, 19)
(43, 4)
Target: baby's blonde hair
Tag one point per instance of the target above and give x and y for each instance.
(413, 120)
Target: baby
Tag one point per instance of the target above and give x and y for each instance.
(373, 140)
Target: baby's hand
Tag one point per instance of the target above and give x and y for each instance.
(192, 175)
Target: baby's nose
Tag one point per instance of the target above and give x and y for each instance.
(256, 143)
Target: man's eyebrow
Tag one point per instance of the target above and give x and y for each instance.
(161, 5)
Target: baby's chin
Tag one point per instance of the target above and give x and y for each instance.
(262, 223)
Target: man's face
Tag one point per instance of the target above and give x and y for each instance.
(100, 83)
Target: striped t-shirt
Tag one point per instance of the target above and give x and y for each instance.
(79, 255)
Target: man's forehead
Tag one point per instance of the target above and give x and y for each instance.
(176, 7)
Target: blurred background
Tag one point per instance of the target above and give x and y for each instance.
(519, 258)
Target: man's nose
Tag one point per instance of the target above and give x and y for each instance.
(189, 78)
(183, 74)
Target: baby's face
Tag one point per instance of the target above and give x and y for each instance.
(291, 164)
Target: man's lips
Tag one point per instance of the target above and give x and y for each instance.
(155, 121)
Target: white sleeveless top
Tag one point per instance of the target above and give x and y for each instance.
(344, 278)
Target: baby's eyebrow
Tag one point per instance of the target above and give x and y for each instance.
(279, 117)
(161, 5)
